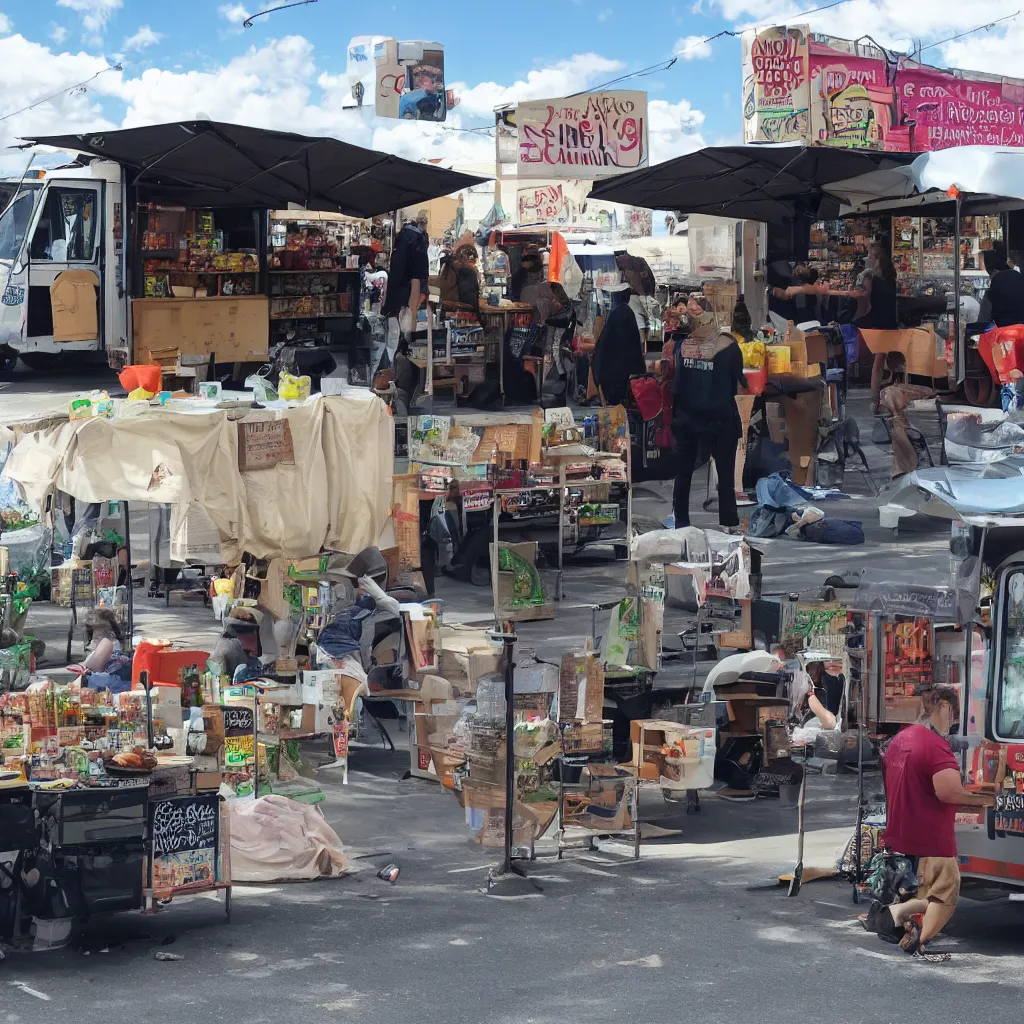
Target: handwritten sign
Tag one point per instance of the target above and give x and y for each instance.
(589, 136)
(262, 444)
(1009, 813)
(560, 202)
(239, 750)
(188, 823)
(238, 720)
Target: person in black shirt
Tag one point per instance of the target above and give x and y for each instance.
(619, 353)
(876, 305)
(708, 371)
(1004, 299)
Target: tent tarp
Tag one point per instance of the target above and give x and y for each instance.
(334, 493)
(757, 182)
(982, 494)
(211, 163)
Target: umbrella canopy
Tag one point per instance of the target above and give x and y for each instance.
(759, 182)
(210, 163)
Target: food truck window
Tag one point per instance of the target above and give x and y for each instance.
(1010, 667)
(14, 223)
(67, 228)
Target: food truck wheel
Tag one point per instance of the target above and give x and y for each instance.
(43, 362)
(978, 391)
(8, 361)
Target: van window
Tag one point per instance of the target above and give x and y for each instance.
(14, 223)
(1010, 667)
(67, 227)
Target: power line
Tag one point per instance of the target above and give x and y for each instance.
(60, 92)
(664, 65)
(971, 31)
(269, 10)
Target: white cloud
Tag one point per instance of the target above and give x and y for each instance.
(560, 79)
(280, 85)
(894, 23)
(693, 48)
(143, 38)
(235, 13)
(605, 14)
(30, 72)
(6, 25)
(95, 13)
(58, 33)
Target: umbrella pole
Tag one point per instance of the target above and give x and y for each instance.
(959, 345)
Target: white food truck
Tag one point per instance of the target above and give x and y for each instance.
(68, 220)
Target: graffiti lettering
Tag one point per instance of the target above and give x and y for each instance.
(603, 131)
(779, 66)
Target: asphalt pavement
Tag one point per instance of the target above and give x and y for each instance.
(697, 929)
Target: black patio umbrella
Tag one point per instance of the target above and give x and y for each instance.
(211, 163)
(767, 182)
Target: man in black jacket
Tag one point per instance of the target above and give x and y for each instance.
(407, 285)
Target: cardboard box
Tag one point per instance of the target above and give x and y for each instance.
(232, 329)
(207, 780)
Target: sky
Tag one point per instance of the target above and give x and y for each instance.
(184, 58)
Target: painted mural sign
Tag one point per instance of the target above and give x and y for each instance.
(852, 97)
(593, 136)
(556, 204)
(775, 75)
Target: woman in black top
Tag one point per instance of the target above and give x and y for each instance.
(876, 294)
(1004, 299)
(708, 371)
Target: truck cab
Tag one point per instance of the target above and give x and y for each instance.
(63, 230)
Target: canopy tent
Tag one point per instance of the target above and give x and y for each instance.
(771, 182)
(990, 179)
(211, 163)
(982, 494)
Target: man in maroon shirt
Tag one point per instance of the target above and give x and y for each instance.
(923, 790)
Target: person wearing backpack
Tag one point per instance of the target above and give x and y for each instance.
(708, 372)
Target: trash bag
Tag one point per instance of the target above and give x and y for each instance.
(833, 531)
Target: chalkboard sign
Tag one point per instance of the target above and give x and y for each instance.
(184, 835)
(238, 720)
(1009, 813)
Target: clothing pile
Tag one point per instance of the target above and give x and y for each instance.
(783, 506)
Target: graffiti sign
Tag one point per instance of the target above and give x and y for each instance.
(409, 80)
(835, 92)
(775, 96)
(546, 204)
(592, 136)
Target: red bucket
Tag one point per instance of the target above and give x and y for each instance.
(757, 379)
(143, 375)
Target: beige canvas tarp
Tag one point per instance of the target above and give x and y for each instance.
(334, 490)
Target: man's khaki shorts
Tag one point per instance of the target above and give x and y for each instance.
(939, 879)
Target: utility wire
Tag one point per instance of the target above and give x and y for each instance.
(666, 64)
(60, 92)
(971, 31)
(269, 10)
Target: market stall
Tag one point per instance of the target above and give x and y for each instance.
(182, 242)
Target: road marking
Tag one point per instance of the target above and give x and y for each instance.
(21, 986)
(645, 961)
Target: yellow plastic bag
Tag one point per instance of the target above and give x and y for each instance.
(140, 395)
(293, 389)
(754, 354)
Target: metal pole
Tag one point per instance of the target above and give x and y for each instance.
(128, 558)
(509, 639)
(960, 358)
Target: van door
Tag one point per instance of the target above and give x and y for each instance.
(67, 238)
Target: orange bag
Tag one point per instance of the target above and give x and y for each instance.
(142, 375)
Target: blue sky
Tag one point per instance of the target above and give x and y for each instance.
(182, 57)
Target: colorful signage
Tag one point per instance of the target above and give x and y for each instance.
(835, 92)
(589, 136)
